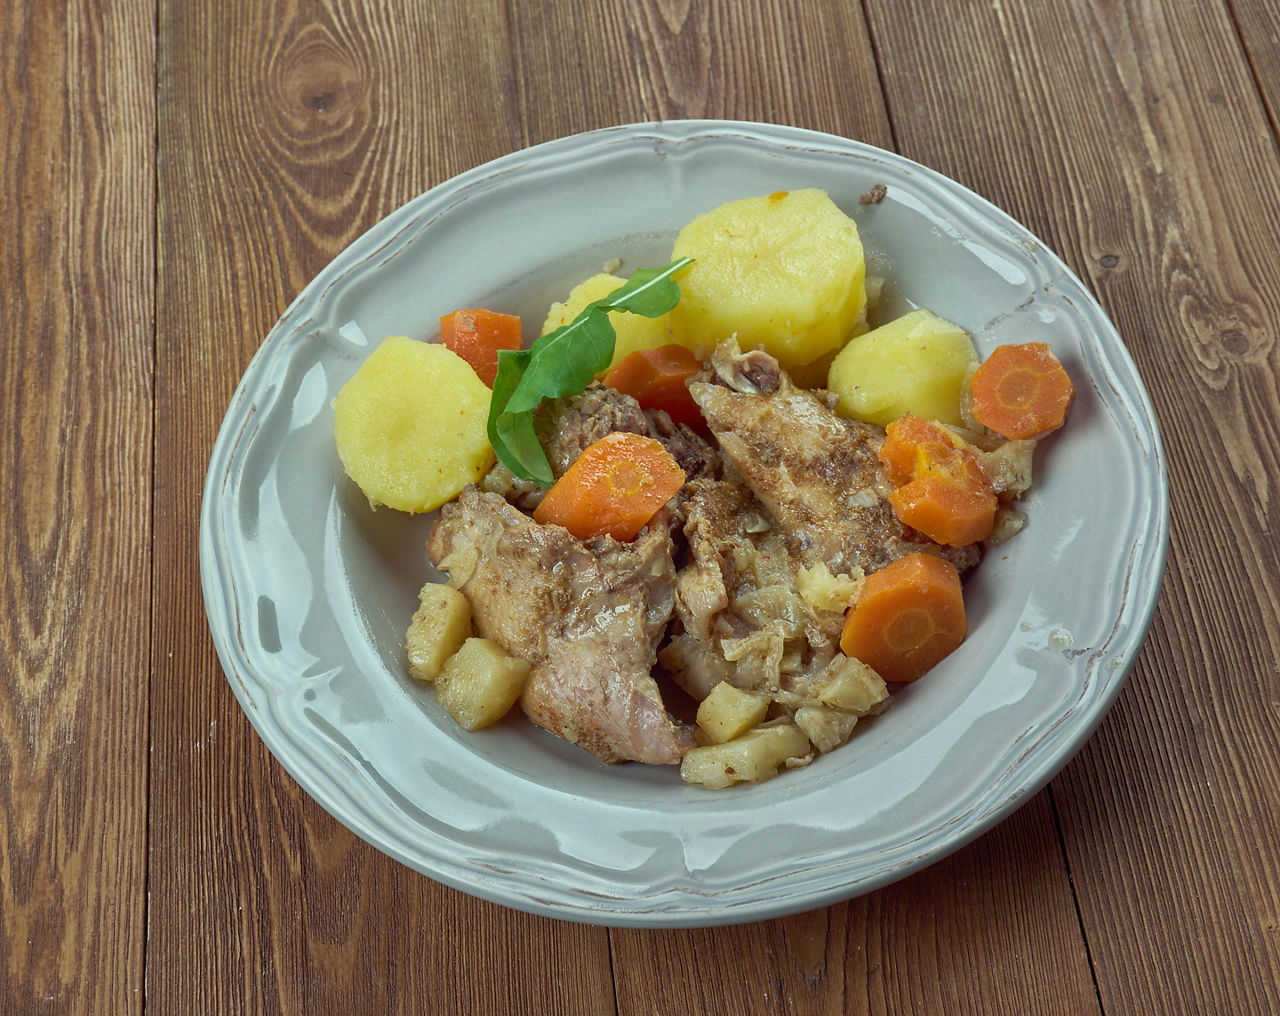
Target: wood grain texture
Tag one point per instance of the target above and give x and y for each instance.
(1257, 22)
(76, 204)
(1132, 138)
(992, 928)
(287, 129)
(175, 173)
(809, 65)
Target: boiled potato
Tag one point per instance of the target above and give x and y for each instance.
(439, 627)
(410, 425)
(914, 364)
(851, 685)
(631, 331)
(728, 711)
(754, 756)
(480, 683)
(784, 271)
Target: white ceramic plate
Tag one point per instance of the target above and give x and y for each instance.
(309, 592)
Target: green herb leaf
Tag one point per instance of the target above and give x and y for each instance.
(564, 362)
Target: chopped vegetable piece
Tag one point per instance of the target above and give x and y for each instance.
(477, 335)
(943, 490)
(1021, 391)
(908, 617)
(615, 486)
(948, 512)
(911, 442)
(656, 378)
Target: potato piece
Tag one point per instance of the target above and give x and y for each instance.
(784, 271)
(827, 728)
(729, 711)
(851, 685)
(631, 331)
(914, 364)
(439, 627)
(410, 425)
(480, 683)
(754, 756)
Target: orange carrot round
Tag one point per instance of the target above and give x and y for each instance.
(1021, 391)
(909, 615)
(911, 443)
(657, 379)
(952, 513)
(615, 486)
(942, 490)
(476, 335)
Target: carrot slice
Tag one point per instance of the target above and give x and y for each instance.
(1021, 391)
(942, 490)
(657, 379)
(615, 486)
(476, 335)
(909, 615)
(948, 512)
(911, 443)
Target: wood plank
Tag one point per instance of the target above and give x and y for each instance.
(965, 936)
(1165, 196)
(591, 64)
(287, 130)
(77, 202)
(1257, 22)
(811, 65)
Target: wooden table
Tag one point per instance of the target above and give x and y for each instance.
(174, 173)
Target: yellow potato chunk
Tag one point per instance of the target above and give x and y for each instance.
(480, 683)
(410, 425)
(854, 687)
(754, 756)
(728, 711)
(440, 625)
(631, 331)
(784, 271)
(914, 364)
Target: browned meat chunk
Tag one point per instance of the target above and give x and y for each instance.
(742, 619)
(586, 615)
(818, 474)
(567, 426)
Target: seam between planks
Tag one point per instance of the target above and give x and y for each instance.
(1246, 55)
(879, 64)
(155, 422)
(1075, 898)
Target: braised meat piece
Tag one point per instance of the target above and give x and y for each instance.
(742, 618)
(817, 474)
(567, 426)
(587, 615)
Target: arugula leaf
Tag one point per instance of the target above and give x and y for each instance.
(564, 362)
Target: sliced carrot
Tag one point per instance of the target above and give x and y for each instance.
(942, 490)
(1021, 391)
(908, 616)
(948, 512)
(615, 486)
(476, 335)
(657, 379)
(911, 443)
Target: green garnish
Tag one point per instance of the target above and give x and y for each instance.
(564, 362)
